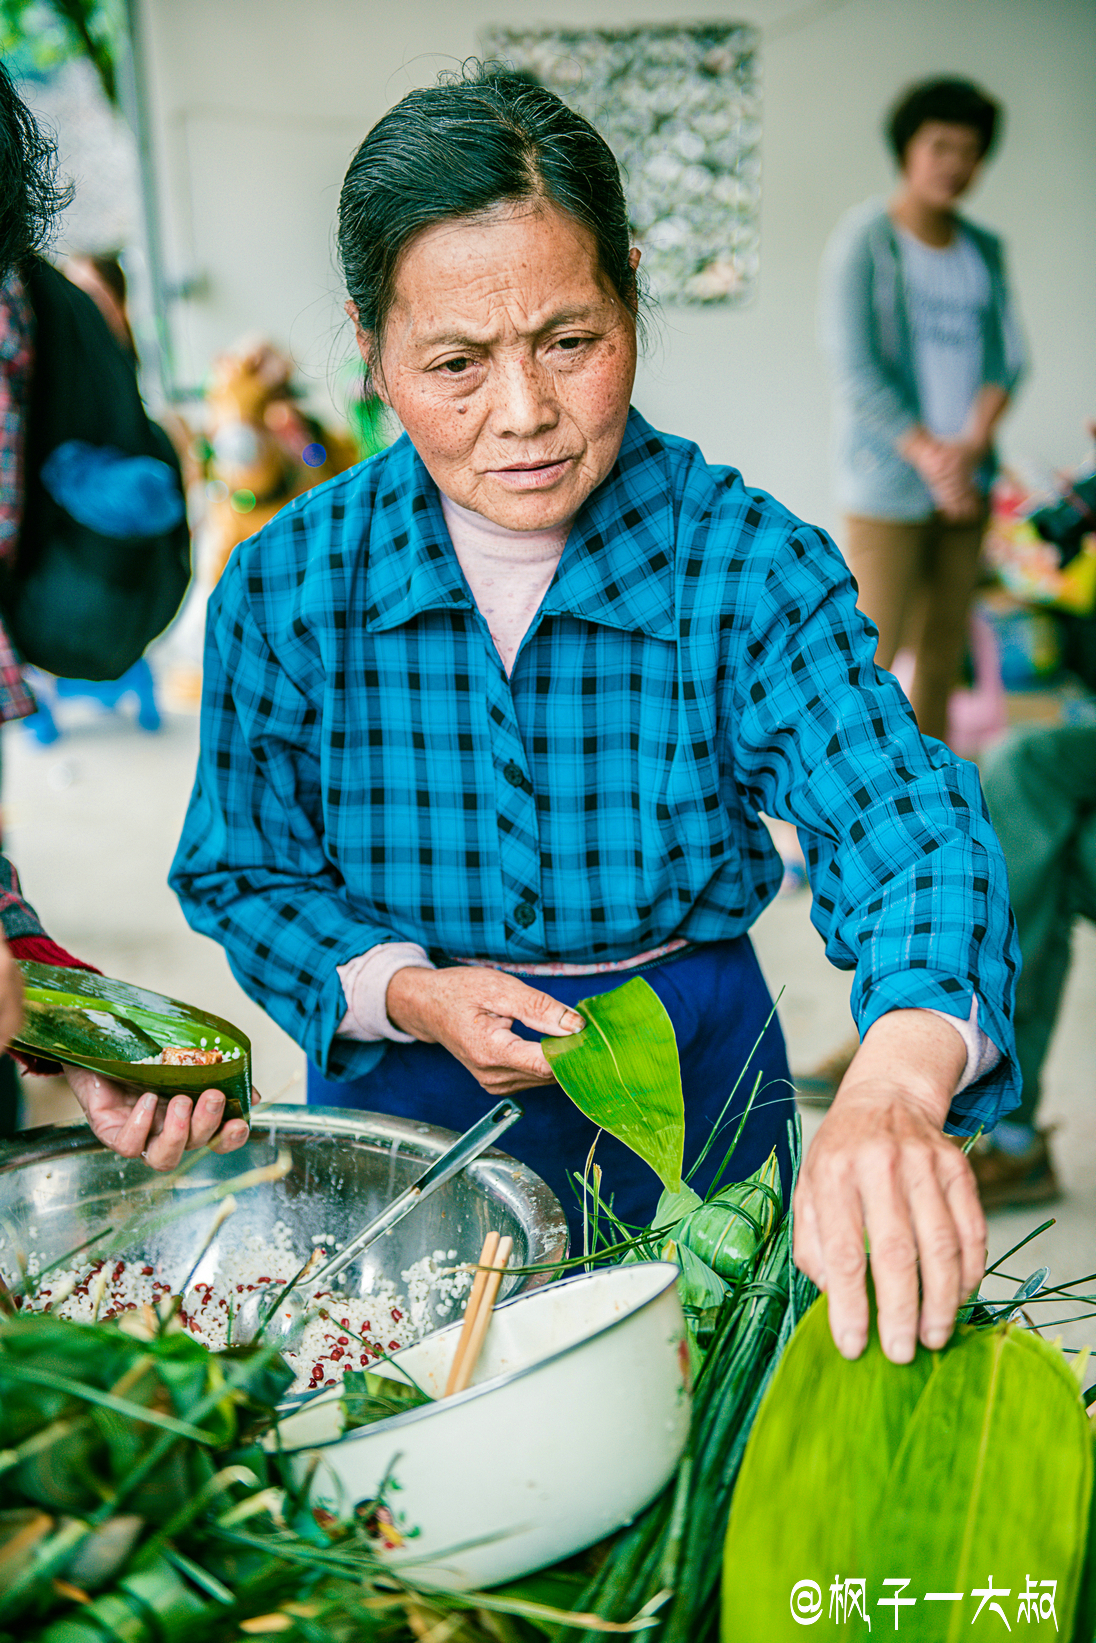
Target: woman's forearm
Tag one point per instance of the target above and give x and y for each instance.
(880, 1182)
(989, 406)
(913, 1049)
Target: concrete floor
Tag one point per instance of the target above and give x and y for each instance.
(92, 823)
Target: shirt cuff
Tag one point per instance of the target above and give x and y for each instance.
(365, 984)
(982, 1053)
(42, 950)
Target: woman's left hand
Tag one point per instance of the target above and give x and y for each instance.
(881, 1165)
(153, 1127)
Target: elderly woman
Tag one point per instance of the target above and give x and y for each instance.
(489, 722)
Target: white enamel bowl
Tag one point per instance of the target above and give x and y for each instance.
(575, 1419)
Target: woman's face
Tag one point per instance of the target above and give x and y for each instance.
(941, 161)
(509, 358)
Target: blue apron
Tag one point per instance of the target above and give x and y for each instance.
(718, 1001)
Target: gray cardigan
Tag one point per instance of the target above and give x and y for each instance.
(865, 333)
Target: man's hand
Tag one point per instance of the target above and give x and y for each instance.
(11, 995)
(470, 1010)
(880, 1164)
(150, 1126)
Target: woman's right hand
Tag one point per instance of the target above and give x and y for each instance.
(470, 1010)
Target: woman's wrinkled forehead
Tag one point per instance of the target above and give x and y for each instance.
(521, 267)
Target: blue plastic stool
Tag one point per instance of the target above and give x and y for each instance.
(107, 692)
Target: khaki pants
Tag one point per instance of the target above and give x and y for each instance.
(915, 580)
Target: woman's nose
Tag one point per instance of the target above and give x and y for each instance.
(524, 402)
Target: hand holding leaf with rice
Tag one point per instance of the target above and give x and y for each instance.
(138, 1063)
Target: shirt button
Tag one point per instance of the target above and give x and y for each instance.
(525, 914)
(514, 774)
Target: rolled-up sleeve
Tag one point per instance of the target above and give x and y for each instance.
(908, 878)
(251, 870)
(864, 378)
(1007, 368)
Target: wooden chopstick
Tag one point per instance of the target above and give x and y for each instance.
(483, 1317)
(487, 1256)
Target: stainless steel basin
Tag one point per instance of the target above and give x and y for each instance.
(59, 1186)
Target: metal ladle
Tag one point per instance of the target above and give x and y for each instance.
(275, 1315)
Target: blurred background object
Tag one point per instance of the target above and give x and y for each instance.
(263, 449)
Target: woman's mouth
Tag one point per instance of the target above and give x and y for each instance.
(532, 476)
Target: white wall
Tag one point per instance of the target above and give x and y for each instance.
(258, 104)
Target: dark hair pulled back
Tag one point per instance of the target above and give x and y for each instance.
(30, 194)
(474, 141)
(954, 102)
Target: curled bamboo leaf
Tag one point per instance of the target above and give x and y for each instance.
(623, 1072)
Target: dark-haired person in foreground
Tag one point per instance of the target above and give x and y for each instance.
(488, 723)
(123, 1118)
(130, 1121)
(30, 198)
(918, 323)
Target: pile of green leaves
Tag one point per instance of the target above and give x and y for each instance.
(113, 1448)
(137, 1503)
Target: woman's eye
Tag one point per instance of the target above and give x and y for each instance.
(570, 343)
(456, 366)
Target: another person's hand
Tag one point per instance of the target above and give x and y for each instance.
(948, 467)
(881, 1165)
(11, 995)
(470, 1010)
(153, 1127)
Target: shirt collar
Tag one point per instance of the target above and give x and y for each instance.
(617, 567)
(616, 570)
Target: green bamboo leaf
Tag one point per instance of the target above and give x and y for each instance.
(698, 1285)
(970, 1462)
(623, 1072)
(112, 1027)
(68, 1030)
(1023, 1442)
(367, 1398)
(152, 1602)
(728, 1230)
(673, 1207)
(105, 1400)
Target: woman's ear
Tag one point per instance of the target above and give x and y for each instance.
(367, 348)
(633, 263)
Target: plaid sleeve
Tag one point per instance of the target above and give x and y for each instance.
(849, 332)
(251, 870)
(909, 880)
(16, 362)
(25, 936)
(17, 916)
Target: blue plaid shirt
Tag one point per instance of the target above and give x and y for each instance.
(368, 773)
